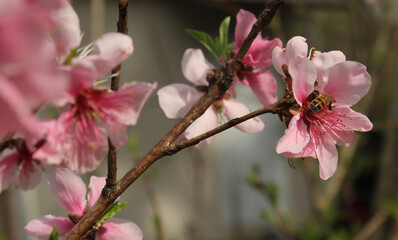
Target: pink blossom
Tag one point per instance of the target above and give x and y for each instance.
(315, 134)
(70, 192)
(80, 135)
(176, 99)
(253, 71)
(20, 168)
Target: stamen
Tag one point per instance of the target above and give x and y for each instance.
(311, 53)
(86, 50)
(290, 161)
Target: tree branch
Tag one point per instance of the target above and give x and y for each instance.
(112, 157)
(162, 147)
(274, 108)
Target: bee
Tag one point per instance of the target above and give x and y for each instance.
(319, 102)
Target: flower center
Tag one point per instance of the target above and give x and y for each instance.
(87, 101)
(327, 121)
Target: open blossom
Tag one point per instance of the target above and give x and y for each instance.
(79, 136)
(253, 71)
(176, 99)
(323, 117)
(70, 192)
(78, 139)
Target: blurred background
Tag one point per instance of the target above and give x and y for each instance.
(238, 187)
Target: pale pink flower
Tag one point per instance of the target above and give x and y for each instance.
(253, 71)
(70, 192)
(316, 134)
(20, 168)
(176, 99)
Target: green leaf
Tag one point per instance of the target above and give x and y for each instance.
(223, 30)
(206, 40)
(54, 234)
(109, 213)
(224, 26)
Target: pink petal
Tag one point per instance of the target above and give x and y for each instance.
(176, 99)
(86, 157)
(125, 105)
(327, 157)
(260, 52)
(66, 33)
(83, 75)
(264, 87)
(234, 109)
(296, 47)
(119, 229)
(96, 185)
(51, 152)
(16, 115)
(206, 122)
(347, 82)
(42, 227)
(195, 66)
(346, 138)
(303, 78)
(278, 59)
(353, 121)
(117, 133)
(296, 137)
(88, 144)
(49, 5)
(323, 61)
(113, 48)
(29, 175)
(8, 167)
(23, 32)
(308, 151)
(244, 23)
(68, 189)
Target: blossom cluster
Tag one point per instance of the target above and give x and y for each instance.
(324, 86)
(66, 77)
(42, 64)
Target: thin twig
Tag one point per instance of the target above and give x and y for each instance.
(161, 148)
(112, 157)
(274, 108)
